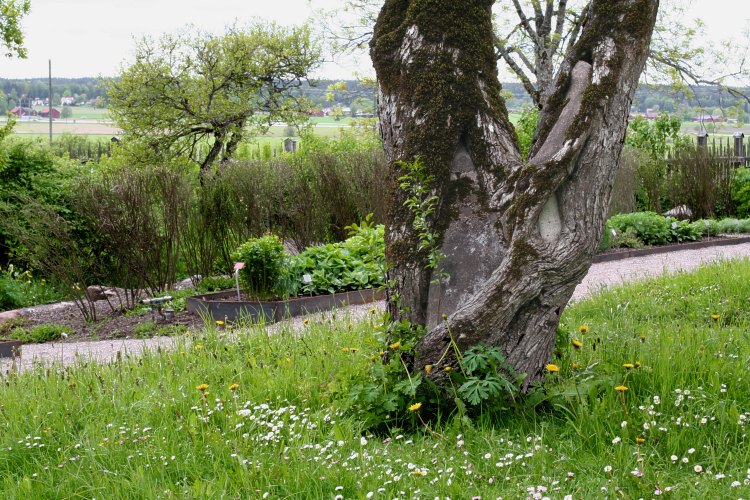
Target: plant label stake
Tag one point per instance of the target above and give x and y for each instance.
(237, 267)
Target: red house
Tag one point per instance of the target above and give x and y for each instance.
(21, 111)
(46, 112)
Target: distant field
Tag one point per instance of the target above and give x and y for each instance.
(91, 121)
(66, 126)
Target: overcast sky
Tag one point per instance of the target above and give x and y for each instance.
(92, 37)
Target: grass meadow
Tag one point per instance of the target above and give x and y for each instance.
(245, 414)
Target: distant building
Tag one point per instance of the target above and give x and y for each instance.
(708, 119)
(67, 101)
(21, 111)
(46, 113)
(650, 114)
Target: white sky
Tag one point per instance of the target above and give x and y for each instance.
(92, 37)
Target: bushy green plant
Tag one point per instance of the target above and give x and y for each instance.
(682, 230)
(355, 263)
(649, 227)
(627, 239)
(741, 191)
(215, 283)
(265, 262)
(38, 334)
(526, 128)
(21, 289)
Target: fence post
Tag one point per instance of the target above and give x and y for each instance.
(703, 139)
(739, 144)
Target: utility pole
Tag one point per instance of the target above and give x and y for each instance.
(49, 106)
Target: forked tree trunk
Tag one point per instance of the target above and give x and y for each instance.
(517, 236)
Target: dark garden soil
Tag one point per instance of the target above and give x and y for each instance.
(110, 324)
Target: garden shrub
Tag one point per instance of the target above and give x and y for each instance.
(741, 192)
(139, 214)
(700, 180)
(625, 186)
(265, 262)
(649, 227)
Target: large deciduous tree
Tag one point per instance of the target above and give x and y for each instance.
(195, 94)
(517, 236)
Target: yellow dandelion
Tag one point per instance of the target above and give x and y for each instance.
(444, 316)
(447, 369)
(395, 345)
(715, 317)
(234, 387)
(575, 366)
(583, 328)
(353, 349)
(219, 322)
(576, 343)
(640, 440)
(419, 473)
(415, 407)
(198, 347)
(345, 349)
(428, 368)
(201, 387)
(305, 321)
(628, 366)
(373, 310)
(637, 364)
(621, 388)
(373, 358)
(552, 368)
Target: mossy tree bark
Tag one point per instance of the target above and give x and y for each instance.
(517, 236)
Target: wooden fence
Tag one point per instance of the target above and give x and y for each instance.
(733, 149)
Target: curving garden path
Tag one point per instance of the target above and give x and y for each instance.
(600, 275)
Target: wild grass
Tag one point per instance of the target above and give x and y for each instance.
(243, 413)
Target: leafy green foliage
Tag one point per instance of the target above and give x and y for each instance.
(654, 138)
(45, 332)
(11, 36)
(649, 227)
(215, 283)
(353, 264)
(21, 289)
(485, 378)
(422, 202)
(265, 264)
(526, 128)
(195, 94)
(741, 191)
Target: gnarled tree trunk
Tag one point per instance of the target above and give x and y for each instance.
(517, 236)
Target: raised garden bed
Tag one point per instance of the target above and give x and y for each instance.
(10, 348)
(225, 306)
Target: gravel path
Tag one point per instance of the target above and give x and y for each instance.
(600, 275)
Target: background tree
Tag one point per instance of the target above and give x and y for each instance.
(188, 93)
(67, 112)
(11, 36)
(531, 38)
(513, 237)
